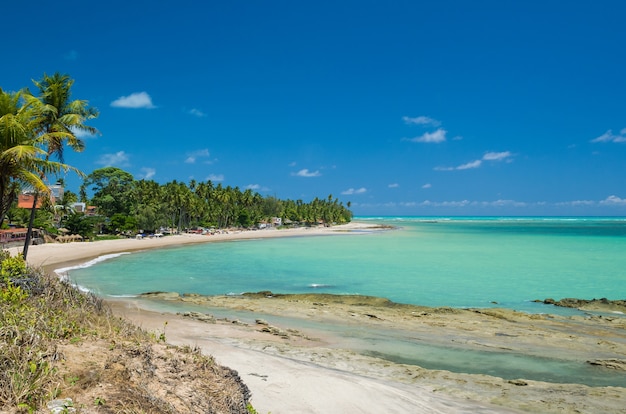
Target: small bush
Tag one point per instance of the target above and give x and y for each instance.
(12, 267)
(30, 321)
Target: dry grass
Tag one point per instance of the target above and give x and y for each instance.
(56, 342)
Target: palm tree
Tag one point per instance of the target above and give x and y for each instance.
(21, 161)
(16, 150)
(58, 122)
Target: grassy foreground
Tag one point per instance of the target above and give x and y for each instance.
(61, 347)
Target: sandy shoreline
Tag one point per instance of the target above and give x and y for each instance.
(51, 255)
(309, 371)
(575, 339)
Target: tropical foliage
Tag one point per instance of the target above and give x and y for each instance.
(34, 128)
(23, 160)
(126, 204)
(58, 120)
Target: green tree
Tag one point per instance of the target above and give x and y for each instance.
(78, 223)
(122, 222)
(178, 202)
(59, 119)
(205, 193)
(148, 209)
(69, 197)
(21, 162)
(62, 118)
(112, 190)
(244, 219)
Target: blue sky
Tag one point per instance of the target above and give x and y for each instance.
(400, 107)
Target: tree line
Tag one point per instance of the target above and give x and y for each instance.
(131, 205)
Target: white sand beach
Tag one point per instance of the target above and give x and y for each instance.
(51, 254)
(309, 372)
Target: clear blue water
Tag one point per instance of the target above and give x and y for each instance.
(442, 261)
(468, 262)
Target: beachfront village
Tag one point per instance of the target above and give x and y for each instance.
(36, 129)
(121, 206)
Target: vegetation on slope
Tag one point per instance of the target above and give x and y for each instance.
(57, 343)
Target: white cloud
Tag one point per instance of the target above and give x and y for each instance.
(120, 158)
(81, 133)
(352, 191)
(257, 187)
(192, 157)
(147, 172)
(197, 112)
(431, 137)
(497, 156)
(608, 136)
(470, 165)
(215, 177)
(614, 201)
(504, 203)
(306, 173)
(577, 203)
(134, 100)
(427, 185)
(292, 164)
(428, 203)
(489, 156)
(394, 185)
(421, 120)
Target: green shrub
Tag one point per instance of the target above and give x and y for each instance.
(12, 267)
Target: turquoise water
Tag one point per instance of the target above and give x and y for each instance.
(468, 262)
(458, 262)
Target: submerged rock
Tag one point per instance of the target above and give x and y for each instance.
(203, 317)
(161, 295)
(602, 305)
(612, 363)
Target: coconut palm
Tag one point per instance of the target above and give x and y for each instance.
(59, 120)
(22, 162)
(17, 154)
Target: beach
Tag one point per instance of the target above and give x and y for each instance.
(293, 368)
(52, 254)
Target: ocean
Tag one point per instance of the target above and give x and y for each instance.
(460, 262)
(431, 261)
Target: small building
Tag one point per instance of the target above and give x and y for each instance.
(79, 207)
(17, 236)
(57, 191)
(26, 200)
(84, 208)
(91, 211)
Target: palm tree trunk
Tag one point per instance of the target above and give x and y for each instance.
(30, 225)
